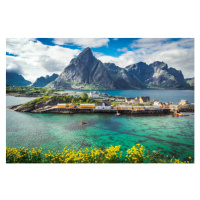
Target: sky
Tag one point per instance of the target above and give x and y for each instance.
(36, 57)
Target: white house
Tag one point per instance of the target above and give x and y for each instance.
(156, 103)
(120, 99)
(94, 95)
(103, 105)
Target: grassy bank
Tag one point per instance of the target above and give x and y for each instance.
(137, 154)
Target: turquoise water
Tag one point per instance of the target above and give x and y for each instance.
(174, 96)
(170, 135)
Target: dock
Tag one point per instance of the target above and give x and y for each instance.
(112, 111)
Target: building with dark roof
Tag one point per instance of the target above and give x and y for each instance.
(144, 99)
(103, 105)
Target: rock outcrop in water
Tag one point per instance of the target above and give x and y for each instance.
(40, 104)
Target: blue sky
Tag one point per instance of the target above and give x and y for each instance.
(110, 49)
(35, 57)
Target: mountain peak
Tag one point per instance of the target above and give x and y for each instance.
(85, 54)
(159, 64)
(141, 63)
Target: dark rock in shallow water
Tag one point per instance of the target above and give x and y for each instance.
(83, 123)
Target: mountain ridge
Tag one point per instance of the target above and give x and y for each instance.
(43, 81)
(13, 78)
(158, 74)
(87, 72)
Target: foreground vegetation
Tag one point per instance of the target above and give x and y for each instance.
(137, 154)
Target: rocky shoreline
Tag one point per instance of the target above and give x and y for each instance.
(49, 105)
(55, 110)
(23, 95)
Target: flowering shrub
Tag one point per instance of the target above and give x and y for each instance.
(112, 154)
(136, 154)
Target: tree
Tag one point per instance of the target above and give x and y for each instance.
(84, 95)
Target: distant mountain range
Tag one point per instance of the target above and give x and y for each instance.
(16, 79)
(43, 81)
(87, 72)
(157, 75)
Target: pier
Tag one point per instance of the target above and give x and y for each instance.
(112, 111)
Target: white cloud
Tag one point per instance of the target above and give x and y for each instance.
(148, 43)
(83, 42)
(125, 59)
(178, 54)
(124, 49)
(35, 59)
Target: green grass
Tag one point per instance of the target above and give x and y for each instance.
(58, 99)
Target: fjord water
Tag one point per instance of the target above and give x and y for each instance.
(170, 135)
(174, 96)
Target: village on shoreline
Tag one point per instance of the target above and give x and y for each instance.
(142, 104)
(95, 101)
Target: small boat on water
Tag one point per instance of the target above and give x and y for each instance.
(118, 114)
(180, 114)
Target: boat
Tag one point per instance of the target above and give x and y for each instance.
(118, 114)
(180, 114)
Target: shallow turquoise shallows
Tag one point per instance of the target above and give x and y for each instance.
(171, 135)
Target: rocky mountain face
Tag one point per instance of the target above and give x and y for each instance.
(157, 75)
(190, 81)
(84, 72)
(43, 81)
(87, 72)
(16, 79)
(122, 79)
